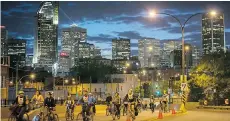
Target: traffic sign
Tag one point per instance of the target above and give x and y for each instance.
(183, 86)
(169, 91)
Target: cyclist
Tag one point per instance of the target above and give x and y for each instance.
(86, 103)
(108, 101)
(69, 102)
(151, 104)
(93, 100)
(125, 106)
(20, 105)
(117, 102)
(38, 98)
(49, 101)
(132, 100)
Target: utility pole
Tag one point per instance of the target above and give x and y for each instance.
(90, 84)
(16, 81)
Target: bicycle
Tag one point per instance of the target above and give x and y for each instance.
(114, 112)
(69, 113)
(84, 116)
(13, 115)
(50, 115)
(131, 111)
(39, 117)
(125, 105)
(108, 110)
(152, 106)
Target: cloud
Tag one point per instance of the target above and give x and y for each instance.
(101, 38)
(129, 34)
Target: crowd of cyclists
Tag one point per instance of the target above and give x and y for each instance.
(131, 104)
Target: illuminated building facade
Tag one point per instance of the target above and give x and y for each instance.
(121, 49)
(46, 37)
(213, 35)
(149, 52)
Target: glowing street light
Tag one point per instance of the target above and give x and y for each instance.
(152, 13)
(73, 79)
(124, 71)
(127, 64)
(66, 81)
(186, 48)
(32, 76)
(74, 82)
(150, 48)
(213, 13)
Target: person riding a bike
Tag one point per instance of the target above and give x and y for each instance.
(69, 102)
(38, 98)
(151, 104)
(108, 101)
(20, 105)
(131, 100)
(86, 103)
(117, 102)
(93, 100)
(49, 101)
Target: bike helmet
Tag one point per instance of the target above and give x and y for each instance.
(21, 92)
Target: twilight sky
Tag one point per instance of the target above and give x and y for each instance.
(107, 20)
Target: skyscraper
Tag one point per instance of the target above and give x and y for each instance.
(149, 52)
(46, 37)
(213, 39)
(4, 37)
(168, 47)
(121, 49)
(196, 55)
(71, 38)
(17, 52)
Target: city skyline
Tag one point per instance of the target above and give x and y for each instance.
(103, 23)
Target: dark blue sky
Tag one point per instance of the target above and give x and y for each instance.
(107, 20)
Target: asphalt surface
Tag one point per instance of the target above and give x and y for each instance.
(201, 115)
(196, 115)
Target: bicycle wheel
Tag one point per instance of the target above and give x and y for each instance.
(56, 117)
(79, 117)
(67, 115)
(107, 112)
(25, 117)
(72, 116)
(91, 116)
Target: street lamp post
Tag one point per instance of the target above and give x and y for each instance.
(182, 26)
(16, 83)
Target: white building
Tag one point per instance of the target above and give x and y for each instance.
(149, 52)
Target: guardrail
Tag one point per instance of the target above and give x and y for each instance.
(214, 107)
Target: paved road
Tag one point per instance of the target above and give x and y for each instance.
(200, 115)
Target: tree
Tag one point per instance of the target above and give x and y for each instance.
(212, 77)
(94, 69)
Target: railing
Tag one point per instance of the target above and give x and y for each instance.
(214, 107)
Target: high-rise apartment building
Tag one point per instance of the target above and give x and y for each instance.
(213, 39)
(168, 47)
(121, 49)
(4, 37)
(149, 52)
(71, 39)
(46, 37)
(196, 55)
(17, 52)
(29, 60)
